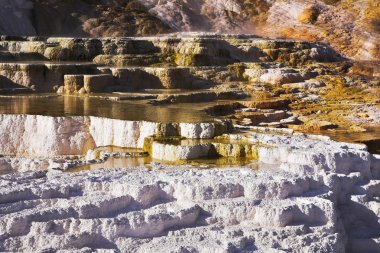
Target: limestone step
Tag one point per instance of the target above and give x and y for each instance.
(194, 50)
(86, 83)
(372, 188)
(274, 103)
(125, 60)
(125, 96)
(278, 76)
(176, 149)
(41, 75)
(138, 78)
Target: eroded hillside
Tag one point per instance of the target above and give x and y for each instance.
(351, 27)
(83, 18)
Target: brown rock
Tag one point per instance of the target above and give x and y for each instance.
(314, 125)
(97, 83)
(73, 83)
(266, 104)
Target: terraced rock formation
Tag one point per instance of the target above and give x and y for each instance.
(309, 194)
(186, 143)
(251, 81)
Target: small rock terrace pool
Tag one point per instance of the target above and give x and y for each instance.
(102, 106)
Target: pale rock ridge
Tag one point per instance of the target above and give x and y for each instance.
(304, 197)
(299, 155)
(11, 165)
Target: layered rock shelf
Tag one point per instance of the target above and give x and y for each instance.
(56, 56)
(186, 142)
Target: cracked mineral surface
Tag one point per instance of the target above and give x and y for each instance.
(309, 194)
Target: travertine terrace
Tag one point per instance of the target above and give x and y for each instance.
(309, 194)
(187, 142)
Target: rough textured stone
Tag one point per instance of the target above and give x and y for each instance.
(73, 83)
(97, 83)
(310, 194)
(276, 76)
(173, 78)
(180, 152)
(34, 136)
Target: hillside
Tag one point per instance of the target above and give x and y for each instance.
(351, 27)
(82, 18)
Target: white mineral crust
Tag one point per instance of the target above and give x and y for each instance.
(45, 136)
(310, 194)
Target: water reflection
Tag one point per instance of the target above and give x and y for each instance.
(115, 163)
(371, 137)
(222, 162)
(93, 106)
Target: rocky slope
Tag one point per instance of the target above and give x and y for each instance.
(350, 27)
(78, 18)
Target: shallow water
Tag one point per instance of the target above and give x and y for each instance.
(52, 105)
(371, 137)
(139, 159)
(222, 162)
(156, 92)
(115, 163)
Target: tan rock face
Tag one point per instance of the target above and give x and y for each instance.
(173, 78)
(97, 83)
(73, 83)
(39, 76)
